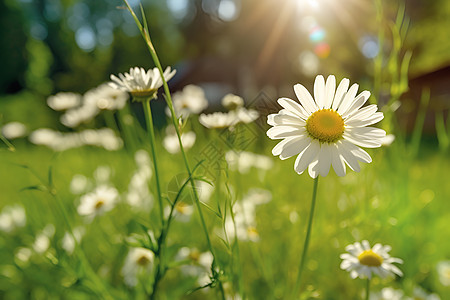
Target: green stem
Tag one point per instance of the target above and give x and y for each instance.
(151, 131)
(308, 234)
(367, 289)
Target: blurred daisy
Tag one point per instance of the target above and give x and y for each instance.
(171, 143)
(387, 293)
(326, 131)
(420, 294)
(14, 130)
(101, 200)
(197, 264)
(42, 241)
(12, 217)
(182, 211)
(362, 261)
(105, 97)
(138, 196)
(64, 100)
(243, 161)
(191, 100)
(443, 269)
(141, 83)
(232, 102)
(229, 119)
(68, 242)
(139, 262)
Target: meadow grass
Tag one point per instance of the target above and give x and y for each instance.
(395, 200)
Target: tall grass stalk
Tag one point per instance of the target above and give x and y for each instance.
(146, 35)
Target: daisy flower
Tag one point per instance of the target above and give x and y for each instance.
(171, 142)
(191, 100)
(139, 261)
(64, 100)
(101, 200)
(443, 269)
(139, 83)
(362, 261)
(14, 130)
(232, 102)
(327, 130)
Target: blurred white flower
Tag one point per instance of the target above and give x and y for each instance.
(64, 100)
(387, 140)
(138, 195)
(139, 83)
(58, 141)
(362, 261)
(101, 200)
(232, 102)
(326, 131)
(182, 211)
(12, 217)
(243, 161)
(420, 294)
(68, 241)
(23, 254)
(105, 97)
(229, 119)
(102, 175)
(139, 262)
(171, 143)
(443, 268)
(197, 264)
(42, 241)
(191, 100)
(387, 293)
(14, 130)
(204, 190)
(244, 225)
(79, 184)
(218, 120)
(79, 115)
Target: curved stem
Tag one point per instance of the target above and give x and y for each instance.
(151, 131)
(308, 234)
(367, 289)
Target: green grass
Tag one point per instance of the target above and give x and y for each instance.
(394, 200)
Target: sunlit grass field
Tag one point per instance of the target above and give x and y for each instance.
(397, 200)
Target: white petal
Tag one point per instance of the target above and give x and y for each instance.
(283, 119)
(337, 162)
(329, 91)
(365, 244)
(367, 132)
(281, 132)
(324, 159)
(360, 154)
(375, 118)
(357, 104)
(295, 147)
(305, 98)
(363, 113)
(306, 157)
(368, 143)
(349, 158)
(348, 99)
(340, 93)
(270, 119)
(293, 107)
(279, 147)
(319, 91)
(313, 169)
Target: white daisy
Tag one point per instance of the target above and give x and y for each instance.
(420, 294)
(139, 262)
(139, 83)
(101, 200)
(362, 261)
(191, 100)
(326, 131)
(104, 97)
(182, 211)
(443, 269)
(229, 119)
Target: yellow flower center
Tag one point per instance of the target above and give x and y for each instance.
(99, 204)
(182, 208)
(143, 94)
(143, 260)
(194, 255)
(370, 258)
(325, 125)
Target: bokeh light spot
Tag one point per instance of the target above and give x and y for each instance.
(322, 50)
